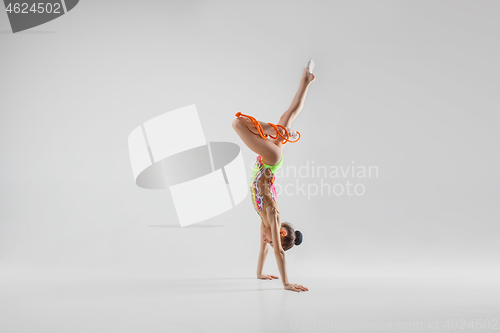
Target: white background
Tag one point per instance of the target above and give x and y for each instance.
(408, 86)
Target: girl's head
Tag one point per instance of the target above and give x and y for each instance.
(289, 236)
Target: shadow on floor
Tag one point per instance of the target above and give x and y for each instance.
(189, 226)
(226, 278)
(238, 290)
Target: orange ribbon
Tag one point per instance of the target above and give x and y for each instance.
(265, 136)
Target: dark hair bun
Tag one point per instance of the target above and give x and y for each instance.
(298, 237)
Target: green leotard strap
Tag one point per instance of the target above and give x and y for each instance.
(273, 168)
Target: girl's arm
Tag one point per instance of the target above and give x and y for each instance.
(264, 249)
(279, 253)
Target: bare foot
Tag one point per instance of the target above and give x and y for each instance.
(308, 78)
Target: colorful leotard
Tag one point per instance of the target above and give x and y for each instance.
(262, 188)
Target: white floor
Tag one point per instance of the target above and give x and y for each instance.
(245, 304)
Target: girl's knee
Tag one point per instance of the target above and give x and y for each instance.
(238, 123)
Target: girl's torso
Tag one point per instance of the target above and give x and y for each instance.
(262, 189)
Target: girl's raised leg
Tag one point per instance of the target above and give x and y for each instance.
(298, 100)
(297, 104)
(271, 150)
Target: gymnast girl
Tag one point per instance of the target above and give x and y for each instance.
(267, 141)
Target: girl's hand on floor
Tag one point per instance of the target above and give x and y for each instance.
(295, 287)
(267, 277)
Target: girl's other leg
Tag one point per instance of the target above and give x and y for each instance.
(245, 128)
